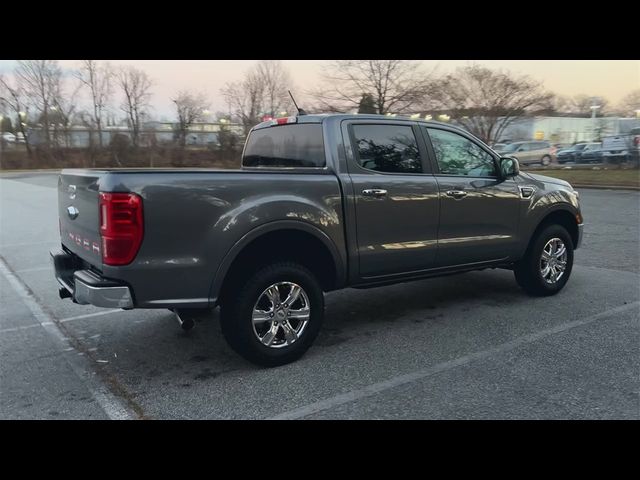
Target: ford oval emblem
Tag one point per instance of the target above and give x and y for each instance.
(72, 212)
(71, 189)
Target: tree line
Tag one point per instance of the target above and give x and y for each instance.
(482, 100)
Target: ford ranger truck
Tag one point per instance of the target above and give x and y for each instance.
(321, 202)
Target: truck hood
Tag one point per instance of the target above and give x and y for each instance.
(545, 179)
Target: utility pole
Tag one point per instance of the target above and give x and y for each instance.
(593, 121)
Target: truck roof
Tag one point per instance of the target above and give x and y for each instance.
(320, 117)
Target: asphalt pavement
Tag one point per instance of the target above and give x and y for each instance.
(467, 346)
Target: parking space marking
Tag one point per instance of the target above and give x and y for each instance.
(379, 387)
(22, 244)
(35, 269)
(23, 327)
(89, 315)
(114, 408)
(64, 320)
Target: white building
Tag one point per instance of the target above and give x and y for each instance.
(567, 129)
(76, 136)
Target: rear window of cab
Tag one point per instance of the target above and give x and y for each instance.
(291, 146)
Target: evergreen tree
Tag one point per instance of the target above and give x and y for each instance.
(367, 104)
(5, 125)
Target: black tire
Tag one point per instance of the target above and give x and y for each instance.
(545, 161)
(527, 270)
(236, 314)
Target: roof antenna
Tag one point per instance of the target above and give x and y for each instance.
(300, 110)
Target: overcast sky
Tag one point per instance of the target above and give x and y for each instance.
(612, 79)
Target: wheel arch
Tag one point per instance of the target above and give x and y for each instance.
(564, 215)
(283, 239)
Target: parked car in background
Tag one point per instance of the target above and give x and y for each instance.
(592, 153)
(8, 137)
(620, 148)
(531, 152)
(571, 154)
(499, 147)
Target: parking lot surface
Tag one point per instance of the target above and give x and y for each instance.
(467, 346)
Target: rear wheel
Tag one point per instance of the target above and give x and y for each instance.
(274, 316)
(547, 265)
(546, 160)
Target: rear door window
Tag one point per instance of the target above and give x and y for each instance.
(292, 146)
(387, 148)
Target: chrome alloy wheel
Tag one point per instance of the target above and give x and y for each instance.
(553, 261)
(281, 314)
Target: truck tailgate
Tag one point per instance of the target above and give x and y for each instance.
(78, 210)
(614, 143)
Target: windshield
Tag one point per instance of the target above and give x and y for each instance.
(580, 146)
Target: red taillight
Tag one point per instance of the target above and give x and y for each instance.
(121, 227)
(636, 140)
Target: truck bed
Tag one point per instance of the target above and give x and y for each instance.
(192, 218)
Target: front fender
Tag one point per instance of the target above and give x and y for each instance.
(545, 202)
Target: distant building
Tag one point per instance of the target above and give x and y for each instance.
(566, 129)
(153, 132)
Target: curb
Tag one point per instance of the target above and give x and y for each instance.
(606, 187)
(28, 170)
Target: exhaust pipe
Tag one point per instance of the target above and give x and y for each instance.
(184, 319)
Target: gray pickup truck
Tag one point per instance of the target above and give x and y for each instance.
(322, 202)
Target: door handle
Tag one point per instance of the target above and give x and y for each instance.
(374, 192)
(457, 194)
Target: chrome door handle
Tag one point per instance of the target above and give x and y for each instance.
(456, 193)
(374, 192)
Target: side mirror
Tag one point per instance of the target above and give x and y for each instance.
(509, 167)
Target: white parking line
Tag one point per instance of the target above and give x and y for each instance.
(64, 320)
(89, 315)
(111, 404)
(22, 244)
(379, 387)
(23, 327)
(35, 269)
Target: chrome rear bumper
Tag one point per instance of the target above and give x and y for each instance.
(87, 287)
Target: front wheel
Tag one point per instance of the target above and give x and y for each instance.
(274, 316)
(547, 265)
(546, 160)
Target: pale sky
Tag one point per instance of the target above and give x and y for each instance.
(612, 79)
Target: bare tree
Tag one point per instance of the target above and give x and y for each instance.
(189, 108)
(98, 79)
(13, 99)
(64, 105)
(262, 91)
(277, 81)
(40, 81)
(485, 101)
(630, 104)
(395, 85)
(136, 89)
(579, 105)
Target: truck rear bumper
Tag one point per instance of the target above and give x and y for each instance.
(87, 287)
